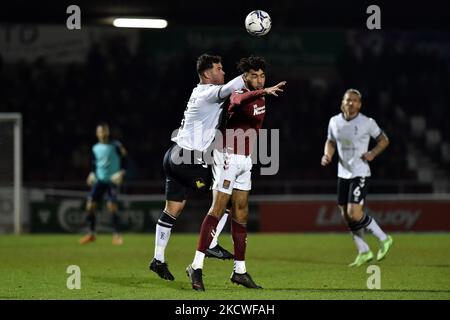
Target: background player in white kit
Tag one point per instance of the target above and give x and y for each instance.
(184, 163)
(350, 132)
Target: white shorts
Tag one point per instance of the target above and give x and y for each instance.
(231, 171)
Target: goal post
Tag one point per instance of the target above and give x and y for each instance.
(11, 172)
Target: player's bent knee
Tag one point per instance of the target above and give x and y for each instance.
(354, 212)
(219, 205)
(217, 211)
(174, 208)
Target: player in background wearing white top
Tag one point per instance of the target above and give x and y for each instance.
(184, 163)
(349, 132)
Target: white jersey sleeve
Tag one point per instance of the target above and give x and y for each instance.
(374, 129)
(219, 93)
(201, 117)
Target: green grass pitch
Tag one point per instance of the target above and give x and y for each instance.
(288, 266)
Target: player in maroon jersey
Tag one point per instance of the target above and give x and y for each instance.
(232, 170)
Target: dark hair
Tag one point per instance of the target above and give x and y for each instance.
(255, 63)
(205, 62)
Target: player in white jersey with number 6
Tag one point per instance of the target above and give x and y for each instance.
(185, 163)
(349, 132)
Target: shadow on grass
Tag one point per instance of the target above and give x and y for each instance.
(297, 260)
(151, 282)
(345, 264)
(139, 282)
(435, 265)
(359, 290)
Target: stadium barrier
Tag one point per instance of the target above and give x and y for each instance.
(394, 213)
(62, 211)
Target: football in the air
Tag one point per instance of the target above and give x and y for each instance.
(258, 23)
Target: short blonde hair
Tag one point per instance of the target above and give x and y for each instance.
(354, 91)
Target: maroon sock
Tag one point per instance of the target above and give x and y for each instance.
(239, 234)
(207, 232)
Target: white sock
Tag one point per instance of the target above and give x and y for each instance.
(358, 238)
(162, 236)
(198, 260)
(219, 229)
(239, 267)
(376, 230)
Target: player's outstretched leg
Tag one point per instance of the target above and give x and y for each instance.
(162, 236)
(194, 270)
(207, 231)
(239, 234)
(215, 250)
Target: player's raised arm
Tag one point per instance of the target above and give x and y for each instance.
(227, 89)
(239, 97)
(273, 91)
(210, 72)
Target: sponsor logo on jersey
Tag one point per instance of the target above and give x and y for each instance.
(258, 110)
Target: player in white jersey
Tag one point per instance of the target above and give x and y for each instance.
(184, 163)
(349, 132)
